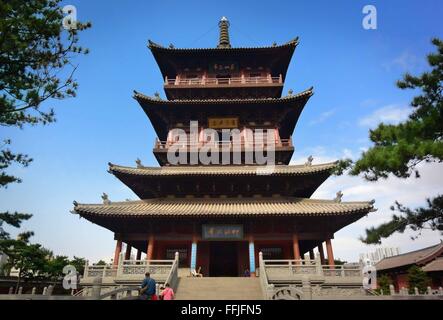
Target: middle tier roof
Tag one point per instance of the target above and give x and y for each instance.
(281, 112)
(201, 181)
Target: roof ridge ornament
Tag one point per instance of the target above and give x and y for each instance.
(139, 164)
(223, 41)
(309, 162)
(106, 199)
(338, 196)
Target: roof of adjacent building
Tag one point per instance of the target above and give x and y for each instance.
(419, 257)
(227, 207)
(251, 170)
(435, 265)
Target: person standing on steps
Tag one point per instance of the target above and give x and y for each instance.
(147, 288)
(167, 293)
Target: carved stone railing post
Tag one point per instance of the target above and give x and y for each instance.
(96, 288)
(416, 291)
(50, 290)
(120, 265)
(318, 267)
(20, 290)
(11, 290)
(85, 272)
(391, 290)
(440, 291)
(44, 291)
(33, 290)
(429, 290)
(306, 288)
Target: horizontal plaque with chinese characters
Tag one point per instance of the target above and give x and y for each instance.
(222, 232)
(223, 123)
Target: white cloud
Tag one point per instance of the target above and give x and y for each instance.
(368, 103)
(405, 61)
(390, 114)
(411, 192)
(322, 117)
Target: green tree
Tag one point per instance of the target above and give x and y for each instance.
(79, 264)
(398, 149)
(417, 278)
(383, 284)
(36, 65)
(100, 263)
(54, 267)
(28, 259)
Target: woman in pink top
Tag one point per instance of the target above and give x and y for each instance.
(167, 293)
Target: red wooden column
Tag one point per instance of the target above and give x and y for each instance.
(150, 249)
(295, 246)
(118, 249)
(128, 252)
(139, 254)
(322, 253)
(329, 252)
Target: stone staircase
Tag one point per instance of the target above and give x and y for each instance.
(219, 288)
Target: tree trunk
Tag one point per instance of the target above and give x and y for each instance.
(18, 282)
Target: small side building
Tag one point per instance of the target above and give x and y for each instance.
(430, 260)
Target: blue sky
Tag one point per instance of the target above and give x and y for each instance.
(353, 72)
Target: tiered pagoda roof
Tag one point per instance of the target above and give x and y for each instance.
(286, 109)
(171, 59)
(200, 181)
(234, 207)
(214, 171)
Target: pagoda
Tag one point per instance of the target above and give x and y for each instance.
(219, 216)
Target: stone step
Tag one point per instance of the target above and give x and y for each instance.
(219, 288)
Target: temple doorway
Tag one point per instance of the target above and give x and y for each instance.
(223, 259)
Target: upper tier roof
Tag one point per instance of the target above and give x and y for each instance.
(160, 111)
(171, 59)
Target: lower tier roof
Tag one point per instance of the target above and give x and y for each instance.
(223, 207)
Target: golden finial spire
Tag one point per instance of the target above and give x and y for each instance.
(223, 41)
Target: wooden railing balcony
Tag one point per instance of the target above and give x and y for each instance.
(238, 81)
(223, 145)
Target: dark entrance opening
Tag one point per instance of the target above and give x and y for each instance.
(223, 259)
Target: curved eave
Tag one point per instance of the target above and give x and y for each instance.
(141, 98)
(156, 108)
(167, 57)
(234, 207)
(155, 46)
(213, 171)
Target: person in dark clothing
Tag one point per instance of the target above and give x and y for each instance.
(147, 288)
